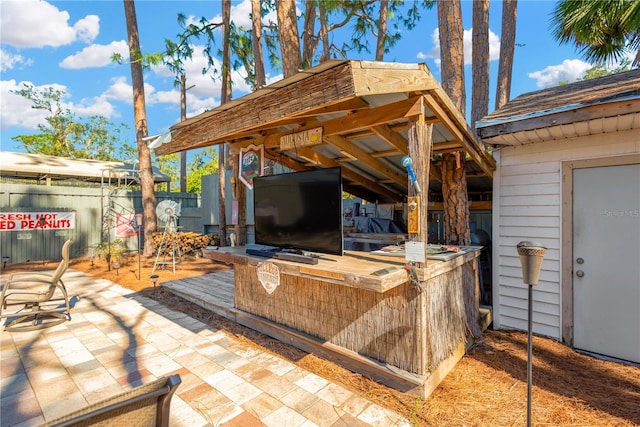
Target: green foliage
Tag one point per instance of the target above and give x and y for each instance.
(603, 31)
(65, 134)
(203, 163)
(600, 70)
(110, 251)
(170, 165)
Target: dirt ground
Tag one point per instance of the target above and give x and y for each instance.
(488, 387)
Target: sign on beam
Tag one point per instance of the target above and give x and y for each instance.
(301, 139)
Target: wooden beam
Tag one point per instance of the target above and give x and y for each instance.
(392, 138)
(362, 119)
(319, 159)
(486, 163)
(386, 153)
(371, 78)
(352, 150)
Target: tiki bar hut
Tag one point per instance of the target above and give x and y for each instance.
(403, 318)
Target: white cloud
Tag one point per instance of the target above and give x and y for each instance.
(87, 29)
(570, 70)
(15, 110)
(205, 93)
(240, 16)
(31, 23)
(8, 60)
(97, 106)
(119, 90)
(434, 53)
(96, 55)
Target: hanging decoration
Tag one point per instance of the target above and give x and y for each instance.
(251, 164)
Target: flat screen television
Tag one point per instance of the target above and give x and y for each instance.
(300, 210)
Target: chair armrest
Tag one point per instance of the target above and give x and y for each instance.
(28, 273)
(144, 405)
(30, 279)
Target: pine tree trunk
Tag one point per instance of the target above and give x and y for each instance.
(382, 29)
(256, 25)
(452, 51)
(456, 204)
(454, 177)
(140, 117)
(289, 40)
(480, 61)
(309, 40)
(507, 46)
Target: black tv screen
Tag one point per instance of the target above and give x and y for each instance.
(300, 210)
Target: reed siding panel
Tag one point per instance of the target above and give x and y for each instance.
(382, 326)
(528, 206)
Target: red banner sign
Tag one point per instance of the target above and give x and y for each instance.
(17, 221)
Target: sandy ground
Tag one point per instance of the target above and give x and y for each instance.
(488, 387)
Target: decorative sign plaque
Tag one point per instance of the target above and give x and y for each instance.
(301, 139)
(268, 275)
(251, 164)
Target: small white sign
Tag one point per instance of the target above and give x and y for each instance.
(415, 252)
(268, 275)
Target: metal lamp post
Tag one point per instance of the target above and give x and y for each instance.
(531, 256)
(138, 220)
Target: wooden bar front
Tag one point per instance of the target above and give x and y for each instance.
(365, 304)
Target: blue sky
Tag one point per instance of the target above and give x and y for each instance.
(68, 44)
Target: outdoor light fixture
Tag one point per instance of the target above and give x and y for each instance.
(41, 222)
(138, 226)
(5, 259)
(531, 256)
(154, 278)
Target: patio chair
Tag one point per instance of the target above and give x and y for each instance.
(35, 291)
(146, 405)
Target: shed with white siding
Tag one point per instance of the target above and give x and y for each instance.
(568, 176)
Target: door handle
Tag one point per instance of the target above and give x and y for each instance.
(580, 273)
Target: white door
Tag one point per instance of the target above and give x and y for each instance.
(606, 261)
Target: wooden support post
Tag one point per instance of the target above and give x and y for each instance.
(239, 195)
(420, 144)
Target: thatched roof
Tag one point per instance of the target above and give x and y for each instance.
(363, 108)
(605, 104)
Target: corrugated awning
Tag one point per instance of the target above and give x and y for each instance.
(24, 165)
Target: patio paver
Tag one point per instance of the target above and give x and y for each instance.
(117, 340)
